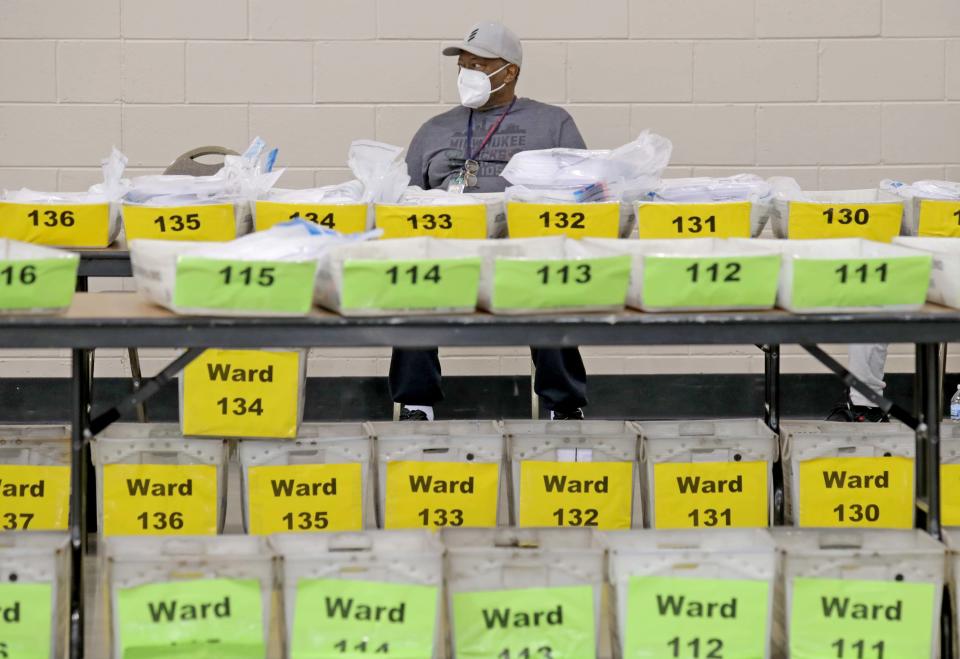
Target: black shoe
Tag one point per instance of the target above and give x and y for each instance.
(412, 415)
(576, 414)
(848, 412)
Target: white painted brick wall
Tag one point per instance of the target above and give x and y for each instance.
(835, 93)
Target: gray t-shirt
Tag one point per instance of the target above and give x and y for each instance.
(436, 152)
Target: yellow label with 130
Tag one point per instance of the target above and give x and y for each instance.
(810, 220)
(856, 491)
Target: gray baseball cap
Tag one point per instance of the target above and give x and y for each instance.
(490, 39)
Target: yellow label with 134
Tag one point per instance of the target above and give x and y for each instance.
(689, 495)
(435, 494)
(149, 499)
(242, 393)
(857, 491)
(59, 225)
(658, 220)
(34, 497)
(345, 218)
(592, 494)
(206, 222)
(461, 221)
(594, 220)
(305, 498)
(813, 220)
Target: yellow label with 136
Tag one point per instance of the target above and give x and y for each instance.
(461, 221)
(345, 218)
(436, 494)
(814, 220)
(862, 492)
(206, 222)
(242, 393)
(592, 494)
(690, 495)
(305, 498)
(147, 499)
(34, 497)
(59, 225)
(594, 220)
(939, 218)
(658, 220)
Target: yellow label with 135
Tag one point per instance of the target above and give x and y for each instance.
(690, 495)
(207, 222)
(34, 497)
(59, 225)
(595, 220)
(149, 499)
(862, 492)
(658, 220)
(592, 494)
(435, 494)
(814, 220)
(305, 498)
(242, 393)
(466, 221)
(345, 218)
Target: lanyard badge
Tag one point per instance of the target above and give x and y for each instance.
(466, 177)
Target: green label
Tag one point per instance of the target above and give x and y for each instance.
(274, 286)
(201, 619)
(557, 283)
(860, 282)
(344, 618)
(847, 619)
(696, 618)
(526, 623)
(415, 284)
(742, 281)
(37, 283)
(26, 611)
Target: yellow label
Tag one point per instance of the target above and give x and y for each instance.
(880, 222)
(939, 218)
(572, 220)
(729, 219)
(434, 494)
(144, 499)
(304, 498)
(60, 225)
(34, 498)
(207, 222)
(689, 495)
(950, 494)
(466, 221)
(595, 494)
(345, 218)
(242, 393)
(868, 492)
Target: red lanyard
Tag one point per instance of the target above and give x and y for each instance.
(493, 129)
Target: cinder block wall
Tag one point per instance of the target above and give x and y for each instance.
(838, 93)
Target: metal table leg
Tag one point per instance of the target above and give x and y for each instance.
(928, 406)
(771, 415)
(80, 420)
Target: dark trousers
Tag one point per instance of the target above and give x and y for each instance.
(561, 380)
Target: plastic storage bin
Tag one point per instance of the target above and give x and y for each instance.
(945, 273)
(152, 481)
(701, 274)
(35, 477)
(339, 581)
(872, 214)
(707, 474)
(930, 208)
(322, 481)
(819, 276)
(848, 475)
(864, 591)
(604, 219)
(192, 591)
(403, 276)
(174, 276)
(35, 594)
(574, 473)
(440, 473)
(441, 215)
(217, 220)
(692, 593)
(36, 279)
(243, 393)
(536, 275)
(522, 592)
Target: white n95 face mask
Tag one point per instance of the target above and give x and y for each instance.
(474, 86)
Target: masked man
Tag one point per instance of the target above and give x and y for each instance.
(464, 150)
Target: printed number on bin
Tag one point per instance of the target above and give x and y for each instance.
(715, 272)
(565, 274)
(856, 491)
(436, 494)
(430, 221)
(325, 220)
(176, 223)
(159, 499)
(52, 218)
(668, 220)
